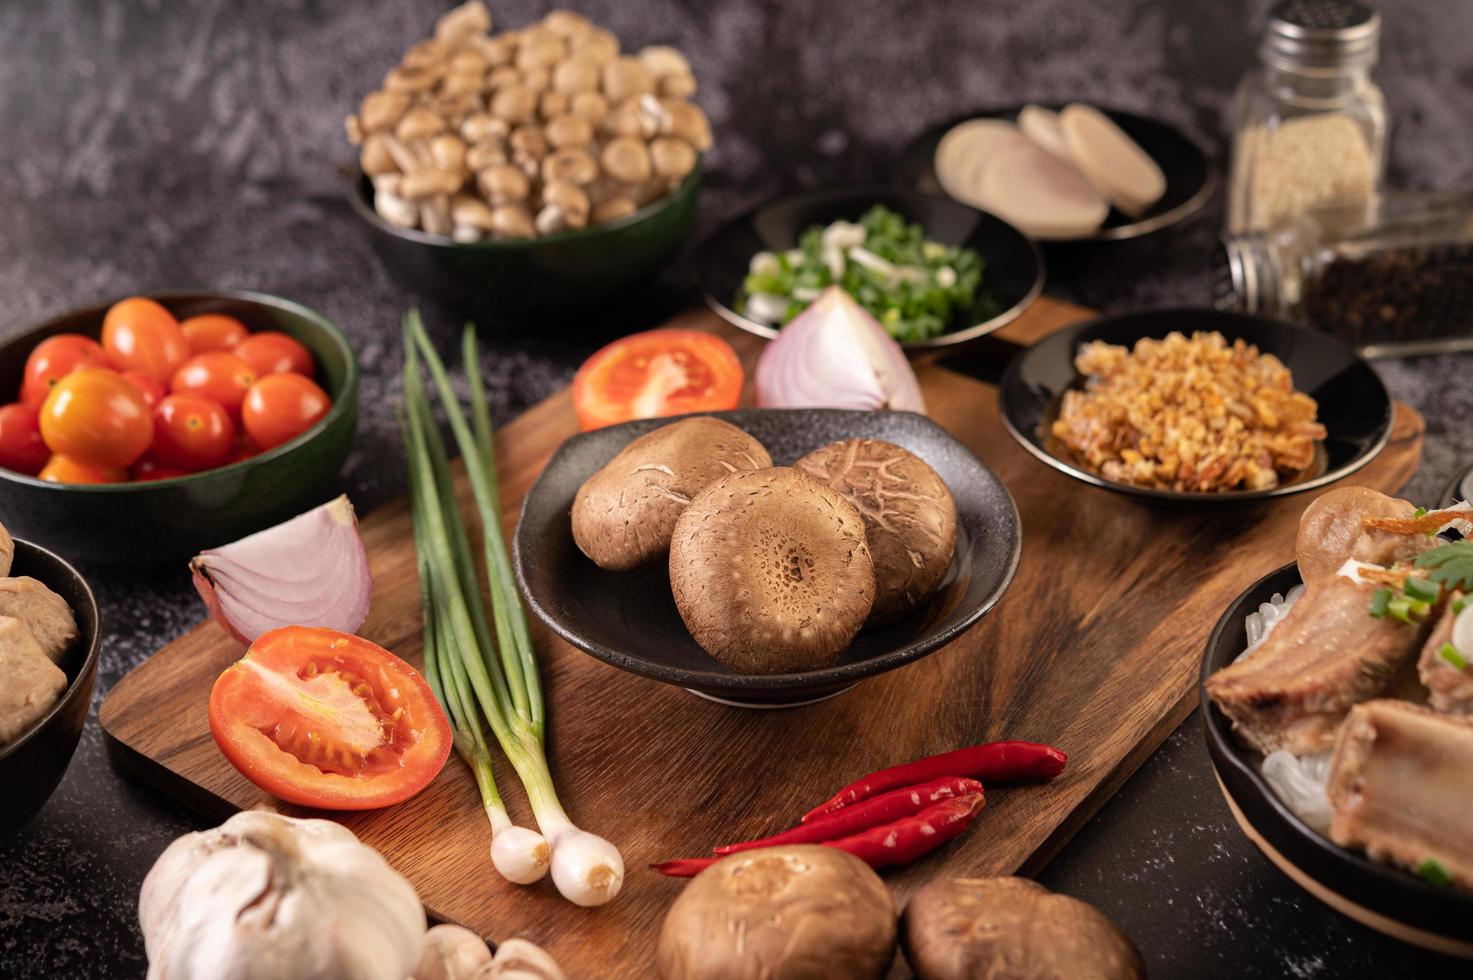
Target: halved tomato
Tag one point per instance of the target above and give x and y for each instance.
(326, 719)
(657, 373)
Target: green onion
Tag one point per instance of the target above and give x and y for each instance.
(1420, 512)
(1421, 588)
(1451, 655)
(1400, 608)
(471, 670)
(1380, 603)
(1459, 604)
(1434, 873)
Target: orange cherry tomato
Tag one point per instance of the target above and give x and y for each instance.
(270, 352)
(53, 359)
(280, 407)
(326, 719)
(218, 375)
(97, 418)
(657, 373)
(148, 468)
(63, 469)
(140, 334)
(192, 433)
(151, 390)
(213, 331)
(21, 447)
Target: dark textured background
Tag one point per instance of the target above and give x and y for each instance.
(159, 144)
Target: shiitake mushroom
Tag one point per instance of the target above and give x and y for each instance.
(624, 514)
(964, 928)
(909, 516)
(780, 913)
(771, 572)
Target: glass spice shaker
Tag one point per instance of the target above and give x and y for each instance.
(1309, 124)
(1392, 276)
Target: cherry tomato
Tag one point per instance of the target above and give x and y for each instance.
(53, 359)
(21, 447)
(139, 333)
(280, 407)
(217, 375)
(213, 331)
(270, 352)
(149, 468)
(151, 390)
(63, 469)
(326, 719)
(192, 433)
(96, 417)
(245, 447)
(657, 373)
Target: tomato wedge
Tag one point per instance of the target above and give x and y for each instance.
(326, 719)
(657, 373)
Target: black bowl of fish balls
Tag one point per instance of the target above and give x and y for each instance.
(34, 760)
(1385, 898)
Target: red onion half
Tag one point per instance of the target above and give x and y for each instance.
(835, 355)
(310, 571)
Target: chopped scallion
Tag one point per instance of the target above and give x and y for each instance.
(1380, 603)
(1451, 655)
(1420, 512)
(1459, 604)
(1421, 588)
(1434, 873)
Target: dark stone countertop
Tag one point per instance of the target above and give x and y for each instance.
(199, 143)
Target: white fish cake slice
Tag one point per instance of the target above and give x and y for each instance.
(1040, 194)
(1116, 165)
(32, 682)
(47, 614)
(1041, 125)
(964, 151)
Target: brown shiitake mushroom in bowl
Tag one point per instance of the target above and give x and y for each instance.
(529, 169)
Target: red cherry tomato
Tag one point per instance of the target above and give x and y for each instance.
(192, 433)
(213, 331)
(270, 352)
(245, 447)
(96, 417)
(140, 334)
(62, 469)
(280, 407)
(53, 359)
(151, 390)
(326, 719)
(217, 375)
(657, 373)
(21, 447)
(149, 468)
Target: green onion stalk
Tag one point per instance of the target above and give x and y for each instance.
(485, 667)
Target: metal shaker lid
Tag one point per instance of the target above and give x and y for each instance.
(1321, 37)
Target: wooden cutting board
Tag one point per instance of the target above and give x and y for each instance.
(1095, 648)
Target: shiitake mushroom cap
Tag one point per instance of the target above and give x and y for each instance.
(771, 572)
(962, 928)
(908, 511)
(624, 514)
(782, 913)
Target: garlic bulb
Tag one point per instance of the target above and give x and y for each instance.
(267, 897)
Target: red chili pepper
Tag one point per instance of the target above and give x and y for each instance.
(877, 810)
(991, 762)
(898, 842)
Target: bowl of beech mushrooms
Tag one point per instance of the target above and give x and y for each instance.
(531, 168)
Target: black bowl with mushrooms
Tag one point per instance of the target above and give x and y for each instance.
(630, 619)
(33, 764)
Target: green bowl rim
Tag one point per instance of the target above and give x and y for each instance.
(366, 211)
(350, 386)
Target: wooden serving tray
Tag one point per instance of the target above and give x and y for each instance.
(1095, 648)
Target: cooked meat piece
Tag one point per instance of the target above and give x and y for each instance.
(32, 682)
(1326, 655)
(1331, 530)
(1401, 783)
(7, 551)
(49, 617)
(1450, 687)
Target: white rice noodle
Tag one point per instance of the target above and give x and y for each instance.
(1300, 782)
(1268, 615)
(1463, 527)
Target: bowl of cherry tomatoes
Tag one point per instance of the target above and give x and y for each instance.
(152, 427)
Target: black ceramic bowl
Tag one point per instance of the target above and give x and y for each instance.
(551, 272)
(1189, 177)
(629, 619)
(32, 765)
(1384, 898)
(1460, 489)
(1354, 405)
(165, 520)
(1012, 275)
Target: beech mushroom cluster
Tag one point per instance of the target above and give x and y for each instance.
(535, 131)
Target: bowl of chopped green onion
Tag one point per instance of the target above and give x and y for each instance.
(933, 272)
